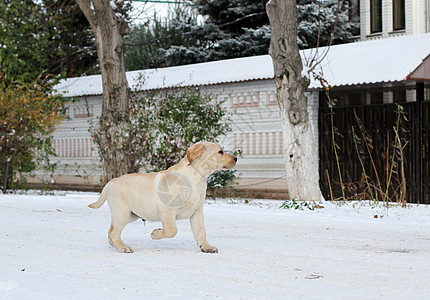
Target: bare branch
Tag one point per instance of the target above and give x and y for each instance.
(332, 34)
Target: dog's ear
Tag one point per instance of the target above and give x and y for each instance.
(195, 152)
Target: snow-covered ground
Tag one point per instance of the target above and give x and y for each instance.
(55, 247)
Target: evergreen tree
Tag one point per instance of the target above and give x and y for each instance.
(317, 21)
(181, 40)
(44, 37)
(23, 39)
(234, 16)
(232, 28)
(150, 46)
(71, 45)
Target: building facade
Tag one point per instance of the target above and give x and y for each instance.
(392, 18)
(368, 72)
(256, 131)
(365, 73)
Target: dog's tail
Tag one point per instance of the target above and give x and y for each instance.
(101, 200)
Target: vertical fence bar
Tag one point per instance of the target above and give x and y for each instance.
(6, 174)
(418, 143)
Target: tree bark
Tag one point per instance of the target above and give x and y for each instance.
(300, 149)
(109, 27)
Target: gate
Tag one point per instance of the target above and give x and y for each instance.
(355, 159)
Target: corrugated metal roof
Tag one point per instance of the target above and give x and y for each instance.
(369, 62)
(385, 60)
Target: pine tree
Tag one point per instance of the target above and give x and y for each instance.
(164, 42)
(232, 28)
(318, 20)
(71, 46)
(234, 15)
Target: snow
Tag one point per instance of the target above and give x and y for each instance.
(113, 4)
(368, 62)
(54, 247)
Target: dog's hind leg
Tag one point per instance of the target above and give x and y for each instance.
(114, 235)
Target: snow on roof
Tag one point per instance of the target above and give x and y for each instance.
(369, 62)
(380, 61)
(223, 71)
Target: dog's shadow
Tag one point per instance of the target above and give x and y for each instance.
(140, 239)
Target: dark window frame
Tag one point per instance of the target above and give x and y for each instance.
(398, 15)
(375, 16)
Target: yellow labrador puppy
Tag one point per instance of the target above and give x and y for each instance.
(166, 196)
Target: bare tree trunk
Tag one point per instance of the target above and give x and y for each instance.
(109, 28)
(300, 149)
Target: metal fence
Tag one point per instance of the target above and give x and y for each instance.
(356, 159)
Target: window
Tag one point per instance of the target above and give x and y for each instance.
(376, 97)
(398, 14)
(375, 16)
(354, 14)
(399, 96)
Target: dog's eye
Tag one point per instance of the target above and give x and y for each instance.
(221, 152)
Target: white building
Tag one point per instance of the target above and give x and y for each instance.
(248, 85)
(391, 18)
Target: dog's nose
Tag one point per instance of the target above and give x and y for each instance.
(235, 159)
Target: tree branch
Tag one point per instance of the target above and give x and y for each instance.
(85, 6)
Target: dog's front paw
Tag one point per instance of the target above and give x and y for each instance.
(155, 235)
(209, 249)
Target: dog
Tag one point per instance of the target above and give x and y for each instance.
(174, 194)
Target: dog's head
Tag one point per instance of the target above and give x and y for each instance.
(210, 156)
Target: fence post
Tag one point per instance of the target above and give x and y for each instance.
(6, 174)
(418, 143)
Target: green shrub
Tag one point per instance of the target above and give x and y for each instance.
(28, 115)
(164, 124)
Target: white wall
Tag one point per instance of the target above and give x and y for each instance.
(256, 130)
(77, 156)
(416, 14)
